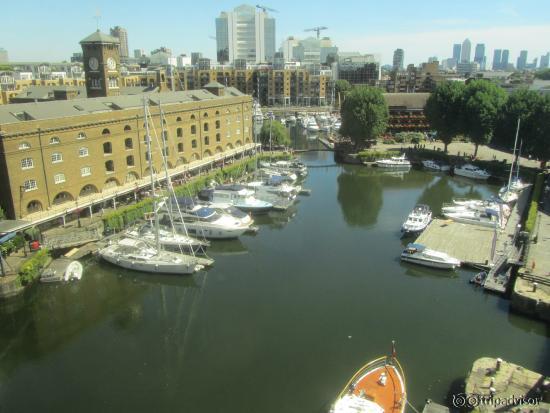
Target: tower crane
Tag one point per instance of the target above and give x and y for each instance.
(316, 29)
(265, 8)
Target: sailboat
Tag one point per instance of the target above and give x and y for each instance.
(137, 254)
(506, 193)
(378, 387)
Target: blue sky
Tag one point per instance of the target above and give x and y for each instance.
(41, 30)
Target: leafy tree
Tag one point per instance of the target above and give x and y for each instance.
(540, 147)
(543, 74)
(279, 134)
(522, 104)
(2, 214)
(481, 103)
(443, 110)
(364, 115)
(342, 86)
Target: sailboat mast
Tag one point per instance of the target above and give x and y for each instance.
(518, 158)
(513, 157)
(164, 163)
(150, 156)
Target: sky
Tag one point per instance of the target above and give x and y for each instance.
(50, 31)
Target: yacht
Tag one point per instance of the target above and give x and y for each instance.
(418, 220)
(206, 222)
(238, 195)
(311, 125)
(435, 166)
(419, 254)
(282, 190)
(471, 171)
(487, 218)
(287, 176)
(295, 167)
(395, 162)
(187, 203)
(168, 238)
(510, 192)
(377, 387)
(291, 119)
(138, 255)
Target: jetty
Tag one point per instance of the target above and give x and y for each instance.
(496, 385)
(479, 247)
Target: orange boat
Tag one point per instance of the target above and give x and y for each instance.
(378, 387)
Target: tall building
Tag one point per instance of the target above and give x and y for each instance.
(3, 55)
(195, 57)
(456, 52)
(479, 56)
(313, 51)
(122, 36)
(245, 33)
(497, 59)
(466, 51)
(287, 47)
(544, 61)
(101, 56)
(504, 62)
(398, 58)
(139, 53)
(522, 60)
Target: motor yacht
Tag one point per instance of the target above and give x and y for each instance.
(419, 254)
(238, 195)
(435, 166)
(471, 171)
(486, 218)
(418, 220)
(395, 162)
(168, 238)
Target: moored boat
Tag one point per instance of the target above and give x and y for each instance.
(471, 171)
(395, 162)
(378, 387)
(419, 254)
(435, 166)
(418, 220)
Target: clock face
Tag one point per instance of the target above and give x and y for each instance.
(111, 64)
(93, 63)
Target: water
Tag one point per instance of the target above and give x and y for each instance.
(280, 323)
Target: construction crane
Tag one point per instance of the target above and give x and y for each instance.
(316, 29)
(265, 8)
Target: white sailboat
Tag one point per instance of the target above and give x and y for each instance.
(139, 255)
(510, 192)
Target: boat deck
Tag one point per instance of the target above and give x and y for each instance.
(388, 396)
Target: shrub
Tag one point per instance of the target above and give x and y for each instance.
(30, 269)
(533, 207)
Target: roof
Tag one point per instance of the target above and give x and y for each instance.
(12, 225)
(408, 100)
(21, 112)
(98, 37)
(45, 92)
(214, 84)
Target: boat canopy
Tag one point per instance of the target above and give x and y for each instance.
(416, 247)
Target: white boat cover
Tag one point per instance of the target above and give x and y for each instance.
(351, 403)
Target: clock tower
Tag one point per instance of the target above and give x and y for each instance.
(101, 54)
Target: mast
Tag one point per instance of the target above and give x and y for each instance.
(150, 156)
(164, 163)
(512, 166)
(518, 158)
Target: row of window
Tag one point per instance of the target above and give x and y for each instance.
(54, 140)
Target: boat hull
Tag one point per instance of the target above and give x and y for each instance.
(431, 264)
(151, 266)
(467, 174)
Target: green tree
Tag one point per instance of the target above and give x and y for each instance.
(279, 134)
(523, 104)
(481, 105)
(540, 145)
(342, 86)
(543, 74)
(2, 214)
(443, 110)
(364, 115)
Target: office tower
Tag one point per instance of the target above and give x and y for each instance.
(466, 51)
(545, 61)
(195, 57)
(522, 60)
(287, 47)
(497, 58)
(245, 33)
(433, 59)
(456, 52)
(122, 36)
(398, 58)
(479, 56)
(504, 62)
(139, 53)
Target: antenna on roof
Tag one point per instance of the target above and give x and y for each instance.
(97, 17)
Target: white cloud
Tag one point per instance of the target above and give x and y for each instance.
(419, 46)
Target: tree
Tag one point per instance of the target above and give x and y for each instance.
(543, 74)
(523, 104)
(443, 110)
(481, 105)
(279, 134)
(2, 214)
(540, 147)
(342, 86)
(364, 115)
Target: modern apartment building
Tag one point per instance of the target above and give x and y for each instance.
(398, 59)
(245, 33)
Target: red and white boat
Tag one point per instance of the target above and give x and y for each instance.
(378, 387)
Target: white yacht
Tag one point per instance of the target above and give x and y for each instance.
(238, 195)
(395, 162)
(477, 205)
(188, 203)
(419, 254)
(435, 166)
(286, 176)
(311, 125)
(282, 189)
(483, 219)
(138, 255)
(471, 171)
(418, 220)
(295, 167)
(167, 238)
(291, 119)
